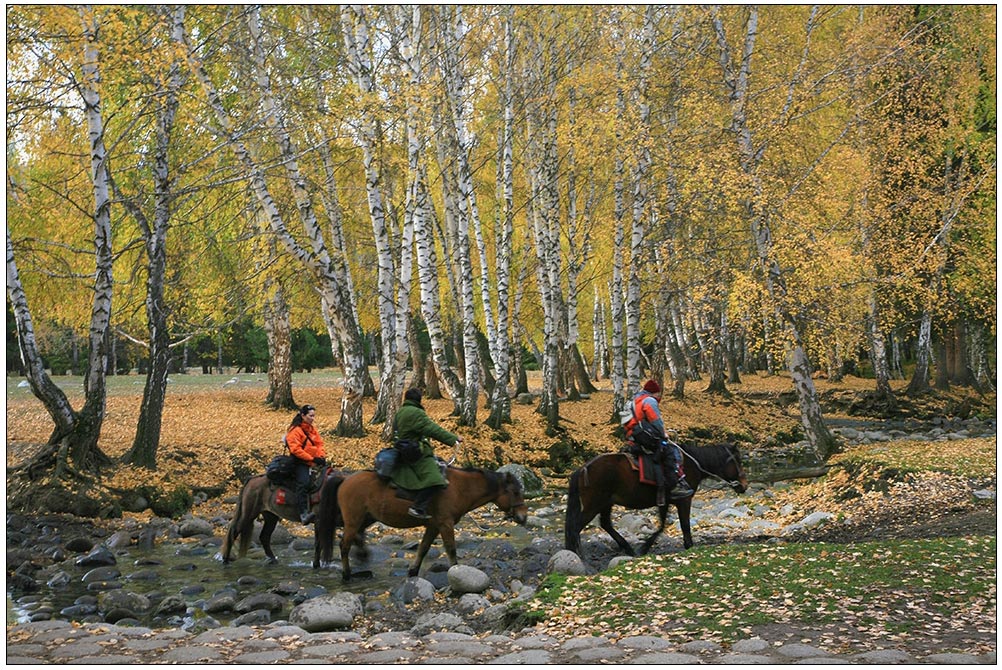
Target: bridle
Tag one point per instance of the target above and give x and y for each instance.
(730, 459)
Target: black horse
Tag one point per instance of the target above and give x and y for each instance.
(610, 479)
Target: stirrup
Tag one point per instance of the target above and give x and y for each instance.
(681, 490)
(418, 514)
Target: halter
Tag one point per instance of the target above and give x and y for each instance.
(730, 458)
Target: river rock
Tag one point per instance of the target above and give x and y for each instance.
(566, 562)
(472, 602)
(195, 526)
(332, 612)
(430, 623)
(122, 599)
(100, 555)
(467, 579)
(170, 605)
(414, 589)
(102, 574)
(268, 601)
(532, 485)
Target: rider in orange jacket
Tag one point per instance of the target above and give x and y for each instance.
(307, 446)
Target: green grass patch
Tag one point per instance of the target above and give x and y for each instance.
(973, 458)
(723, 591)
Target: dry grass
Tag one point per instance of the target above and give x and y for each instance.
(208, 426)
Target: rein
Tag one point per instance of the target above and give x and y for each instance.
(699, 466)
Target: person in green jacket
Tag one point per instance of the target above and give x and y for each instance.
(424, 476)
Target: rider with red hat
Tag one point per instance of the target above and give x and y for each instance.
(645, 408)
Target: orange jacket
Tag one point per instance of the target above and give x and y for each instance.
(644, 410)
(304, 442)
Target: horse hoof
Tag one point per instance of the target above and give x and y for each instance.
(272, 560)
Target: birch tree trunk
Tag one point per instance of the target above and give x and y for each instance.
(467, 211)
(72, 447)
(500, 402)
(750, 157)
(617, 310)
(357, 39)
(147, 438)
(641, 204)
(338, 312)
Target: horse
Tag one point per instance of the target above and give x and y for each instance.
(363, 498)
(261, 497)
(610, 479)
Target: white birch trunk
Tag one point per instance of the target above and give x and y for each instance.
(338, 312)
(501, 399)
(357, 39)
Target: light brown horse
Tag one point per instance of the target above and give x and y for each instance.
(261, 497)
(364, 498)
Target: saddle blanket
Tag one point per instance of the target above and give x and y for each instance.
(285, 496)
(644, 465)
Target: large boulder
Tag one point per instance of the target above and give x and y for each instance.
(566, 562)
(336, 611)
(467, 579)
(532, 485)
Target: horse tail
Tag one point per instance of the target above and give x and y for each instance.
(572, 520)
(328, 519)
(233, 532)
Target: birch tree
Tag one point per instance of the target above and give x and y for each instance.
(72, 447)
(736, 74)
(331, 284)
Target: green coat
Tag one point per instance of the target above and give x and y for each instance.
(411, 422)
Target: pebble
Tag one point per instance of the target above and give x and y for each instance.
(47, 642)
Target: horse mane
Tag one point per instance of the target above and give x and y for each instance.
(712, 456)
(493, 478)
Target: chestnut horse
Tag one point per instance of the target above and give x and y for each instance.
(261, 497)
(610, 479)
(364, 498)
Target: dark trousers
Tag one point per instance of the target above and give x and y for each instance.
(423, 496)
(303, 486)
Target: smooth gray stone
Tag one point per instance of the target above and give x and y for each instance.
(263, 657)
(750, 646)
(110, 659)
(331, 649)
(665, 658)
(473, 648)
(644, 642)
(385, 656)
(599, 654)
(527, 657)
(952, 659)
(801, 651)
(76, 649)
(190, 654)
(885, 656)
(746, 659)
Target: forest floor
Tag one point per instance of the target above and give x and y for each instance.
(217, 429)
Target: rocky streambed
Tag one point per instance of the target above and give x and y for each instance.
(166, 574)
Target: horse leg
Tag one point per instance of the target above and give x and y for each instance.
(430, 533)
(580, 512)
(448, 533)
(268, 527)
(605, 519)
(649, 542)
(684, 507)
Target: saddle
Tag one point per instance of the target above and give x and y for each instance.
(285, 489)
(411, 494)
(644, 465)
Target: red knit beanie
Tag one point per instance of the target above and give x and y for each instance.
(652, 387)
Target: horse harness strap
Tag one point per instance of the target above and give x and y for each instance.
(700, 467)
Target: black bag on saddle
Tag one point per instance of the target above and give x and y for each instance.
(647, 437)
(281, 469)
(409, 450)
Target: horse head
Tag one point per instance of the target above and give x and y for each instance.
(510, 499)
(735, 475)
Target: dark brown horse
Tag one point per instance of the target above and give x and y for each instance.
(364, 498)
(261, 497)
(610, 479)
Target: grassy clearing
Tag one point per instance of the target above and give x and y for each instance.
(966, 458)
(887, 590)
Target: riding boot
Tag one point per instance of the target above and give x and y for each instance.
(421, 499)
(680, 488)
(303, 502)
